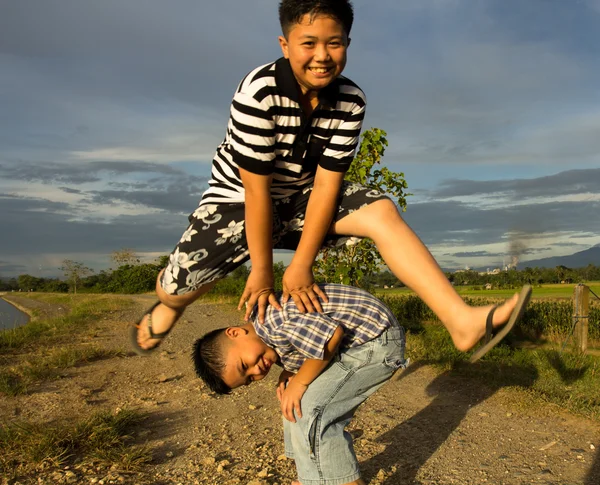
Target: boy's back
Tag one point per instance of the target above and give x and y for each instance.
(297, 336)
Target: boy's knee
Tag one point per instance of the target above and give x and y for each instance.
(381, 211)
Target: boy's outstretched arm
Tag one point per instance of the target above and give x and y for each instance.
(291, 395)
(298, 280)
(259, 234)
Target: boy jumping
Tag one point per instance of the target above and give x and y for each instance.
(332, 362)
(277, 182)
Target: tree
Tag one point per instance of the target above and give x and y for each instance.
(349, 264)
(74, 271)
(124, 256)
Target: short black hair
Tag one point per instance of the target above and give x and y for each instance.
(292, 11)
(209, 360)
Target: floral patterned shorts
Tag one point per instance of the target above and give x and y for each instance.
(215, 244)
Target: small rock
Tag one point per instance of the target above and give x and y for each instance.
(169, 454)
(592, 447)
(281, 458)
(264, 473)
(252, 407)
(209, 461)
(381, 474)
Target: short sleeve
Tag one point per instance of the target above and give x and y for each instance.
(251, 133)
(309, 333)
(339, 152)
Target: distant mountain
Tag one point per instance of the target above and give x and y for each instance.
(576, 260)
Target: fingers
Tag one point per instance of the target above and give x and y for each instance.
(298, 301)
(250, 306)
(273, 301)
(307, 300)
(263, 298)
(298, 409)
(243, 299)
(288, 407)
(317, 289)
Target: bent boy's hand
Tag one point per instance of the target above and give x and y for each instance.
(299, 283)
(284, 379)
(259, 289)
(290, 400)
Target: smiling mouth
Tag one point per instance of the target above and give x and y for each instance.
(320, 70)
(266, 365)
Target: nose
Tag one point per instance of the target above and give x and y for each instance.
(321, 53)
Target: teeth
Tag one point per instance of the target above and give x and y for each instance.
(321, 70)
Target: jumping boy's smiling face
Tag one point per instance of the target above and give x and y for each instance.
(248, 358)
(316, 48)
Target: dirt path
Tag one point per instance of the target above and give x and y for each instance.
(425, 427)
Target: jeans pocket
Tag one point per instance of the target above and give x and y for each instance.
(313, 434)
(395, 363)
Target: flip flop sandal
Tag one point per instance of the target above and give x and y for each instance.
(492, 339)
(133, 333)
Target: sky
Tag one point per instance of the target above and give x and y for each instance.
(110, 113)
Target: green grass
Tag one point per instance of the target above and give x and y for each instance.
(101, 439)
(543, 291)
(43, 348)
(17, 379)
(83, 310)
(569, 380)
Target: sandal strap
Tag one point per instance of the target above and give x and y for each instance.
(153, 335)
(489, 325)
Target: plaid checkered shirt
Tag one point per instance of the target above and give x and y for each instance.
(298, 336)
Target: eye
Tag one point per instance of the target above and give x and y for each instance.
(335, 43)
(308, 44)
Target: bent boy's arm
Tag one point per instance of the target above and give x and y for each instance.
(308, 372)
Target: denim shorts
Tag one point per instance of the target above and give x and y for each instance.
(214, 244)
(318, 442)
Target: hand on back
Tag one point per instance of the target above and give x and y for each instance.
(259, 289)
(299, 284)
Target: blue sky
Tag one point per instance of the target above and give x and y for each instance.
(111, 112)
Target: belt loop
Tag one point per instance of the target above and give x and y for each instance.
(384, 337)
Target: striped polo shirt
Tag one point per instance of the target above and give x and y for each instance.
(268, 133)
(299, 336)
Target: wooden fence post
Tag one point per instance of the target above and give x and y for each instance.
(581, 307)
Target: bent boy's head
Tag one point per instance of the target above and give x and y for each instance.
(230, 357)
(315, 39)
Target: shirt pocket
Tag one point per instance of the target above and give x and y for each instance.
(314, 151)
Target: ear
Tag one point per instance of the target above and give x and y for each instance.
(235, 332)
(348, 44)
(283, 43)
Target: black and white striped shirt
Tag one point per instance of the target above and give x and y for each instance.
(268, 133)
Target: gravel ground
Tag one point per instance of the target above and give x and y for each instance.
(424, 427)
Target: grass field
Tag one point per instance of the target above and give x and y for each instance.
(544, 291)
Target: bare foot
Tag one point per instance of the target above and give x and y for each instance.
(163, 319)
(296, 482)
(466, 335)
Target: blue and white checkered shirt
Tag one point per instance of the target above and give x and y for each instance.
(298, 336)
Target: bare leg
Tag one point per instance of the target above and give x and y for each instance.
(412, 263)
(166, 314)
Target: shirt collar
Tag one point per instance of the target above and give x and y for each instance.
(286, 82)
